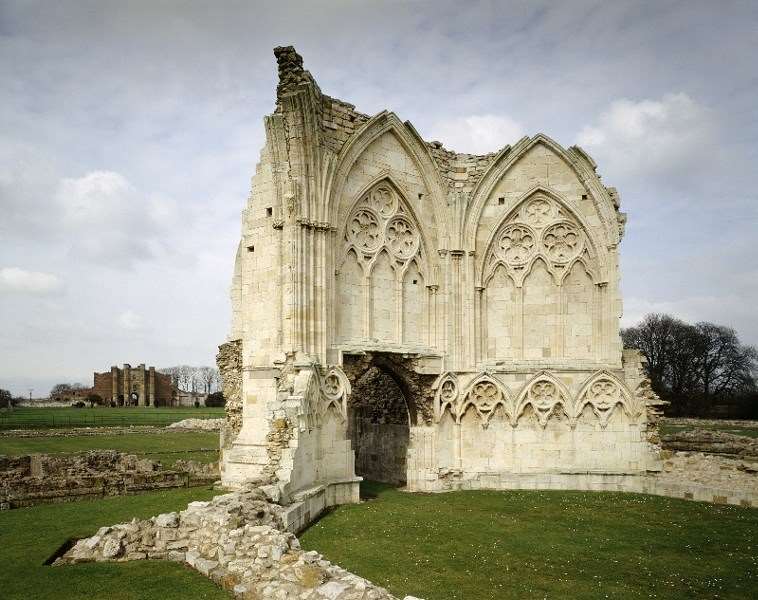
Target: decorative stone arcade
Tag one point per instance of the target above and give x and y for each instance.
(426, 317)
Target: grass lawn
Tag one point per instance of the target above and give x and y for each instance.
(746, 431)
(39, 418)
(523, 544)
(28, 536)
(166, 447)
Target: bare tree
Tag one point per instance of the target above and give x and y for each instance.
(207, 377)
(173, 372)
(186, 378)
(193, 379)
(695, 367)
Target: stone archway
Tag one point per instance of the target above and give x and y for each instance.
(379, 427)
(381, 411)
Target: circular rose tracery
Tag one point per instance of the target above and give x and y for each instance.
(562, 242)
(516, 244)
(364, 230)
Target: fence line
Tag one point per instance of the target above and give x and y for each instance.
(75, 419)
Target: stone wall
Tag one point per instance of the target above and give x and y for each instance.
(239, 541)
(49, 478)
(244, 540)
(229, 362)
(714, 442)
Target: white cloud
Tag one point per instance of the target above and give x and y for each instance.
(107, 220)
(13, 279)
(131, 321)
(477, 134)
(649, 136)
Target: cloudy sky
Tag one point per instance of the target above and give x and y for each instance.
(129, 132)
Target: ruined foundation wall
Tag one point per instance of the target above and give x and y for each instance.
(46, 478)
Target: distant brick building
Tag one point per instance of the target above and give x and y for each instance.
(134, 386)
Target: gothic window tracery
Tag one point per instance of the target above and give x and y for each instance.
(386, 302)
(540, 228)
(380, 221)
(603, 393)
(546, 399)
(485, 395)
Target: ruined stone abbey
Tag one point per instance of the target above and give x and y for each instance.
(409, 314)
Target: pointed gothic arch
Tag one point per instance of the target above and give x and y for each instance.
(528, 232)
(574, 158)
(414, 146)
(544, 392)
(485, 393)
(604, 391)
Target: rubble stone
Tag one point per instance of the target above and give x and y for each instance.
(238, 541)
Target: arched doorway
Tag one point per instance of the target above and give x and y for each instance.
(379, 426)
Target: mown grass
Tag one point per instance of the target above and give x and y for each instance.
(524, 544)
(28, 536)
(752, 432)
(39, 418)
(165, 447)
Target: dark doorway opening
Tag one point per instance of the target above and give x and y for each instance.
(379, 427)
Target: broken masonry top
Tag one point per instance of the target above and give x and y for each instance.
(291, 72)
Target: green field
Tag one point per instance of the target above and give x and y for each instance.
(41, 418)
(28, 536)
(166, 447)
(574, 545)
(667, 428)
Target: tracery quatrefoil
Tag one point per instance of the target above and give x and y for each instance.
(562, 242)
(543, 395)
(364, 230)
(332, 386)
(516, 244)
(485, 395)
(448, 391)
(603, 394)
(539, 212)
(402, 237)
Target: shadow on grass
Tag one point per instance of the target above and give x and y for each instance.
(371, 490)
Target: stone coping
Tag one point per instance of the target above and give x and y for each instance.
(598, 482)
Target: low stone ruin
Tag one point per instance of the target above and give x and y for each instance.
(239, 541)
(715, 442)
(197, 424)
(710, 471)
(45, 478)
